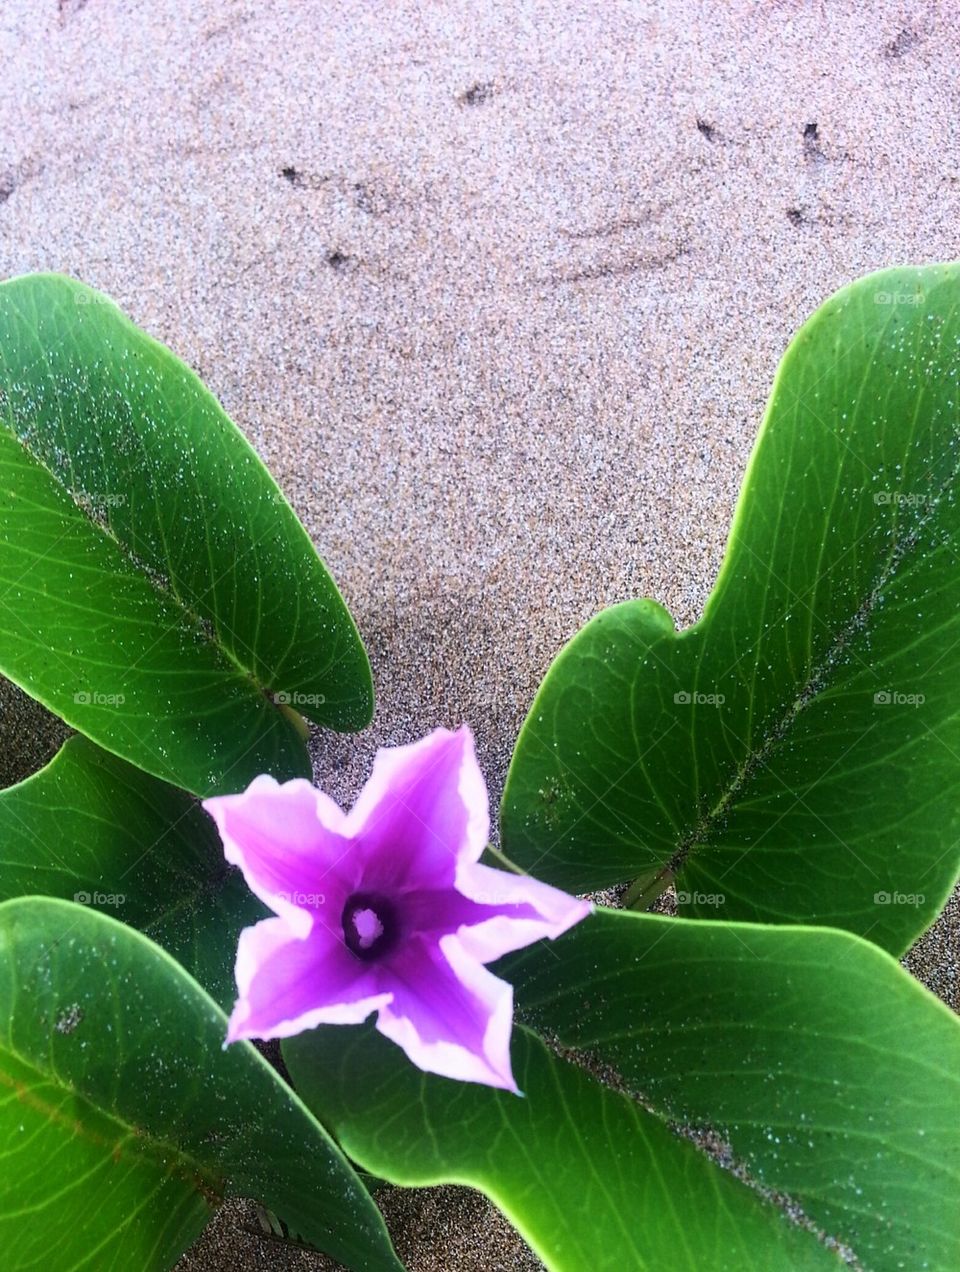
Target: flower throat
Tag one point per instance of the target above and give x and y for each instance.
(370, 927)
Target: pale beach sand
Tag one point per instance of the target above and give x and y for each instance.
(497, 291)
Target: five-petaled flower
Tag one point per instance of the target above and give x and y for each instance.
(387, 909)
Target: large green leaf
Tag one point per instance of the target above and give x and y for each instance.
(588, 1177)
(827, 1071)
(794, 756)
(156, 590)
(805, 1058)
(91, 828)
(125, 1123)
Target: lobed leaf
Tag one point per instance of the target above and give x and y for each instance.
(91, 828)
(125, 1123)
(589, 1178)
(156, 590)
(825, 1071)
(821, 1075)
(793, 757)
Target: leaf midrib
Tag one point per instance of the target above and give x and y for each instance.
(170, 1157)
(584, 1059)
(699, 835)
(162, 585)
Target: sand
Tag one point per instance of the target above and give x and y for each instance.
(497, 291)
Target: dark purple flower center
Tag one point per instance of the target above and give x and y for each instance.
(370, 927)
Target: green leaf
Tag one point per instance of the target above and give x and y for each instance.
(588, 1177)
(828, 1072)
(125, 1124)
(806, 1060)
(156, 590)
(795, 755)
(91, 828)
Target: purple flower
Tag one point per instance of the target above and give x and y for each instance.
(387, 909)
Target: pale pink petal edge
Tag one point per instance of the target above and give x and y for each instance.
(256, 945)
(330, 817)
(450, 1059)
(500, 934)
(391, 761)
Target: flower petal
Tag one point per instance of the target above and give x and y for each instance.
(521, 910)
(287, 983)
(289, 841)
(423, 810)
(448, 1013)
